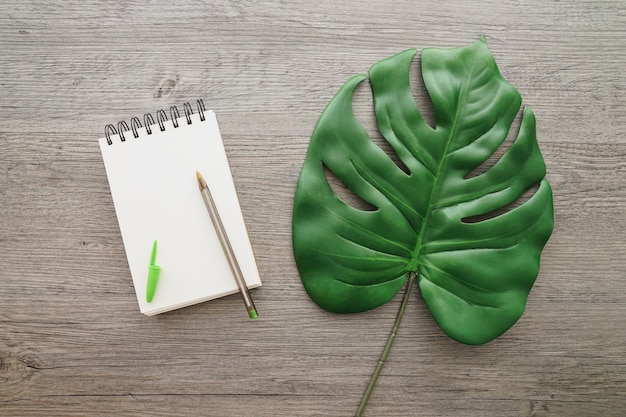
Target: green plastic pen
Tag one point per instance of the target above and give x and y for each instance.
(226, 246)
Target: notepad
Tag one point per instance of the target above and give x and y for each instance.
(151, 169)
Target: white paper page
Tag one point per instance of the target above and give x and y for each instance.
(156, 197)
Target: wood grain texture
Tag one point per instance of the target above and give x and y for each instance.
(72, 341)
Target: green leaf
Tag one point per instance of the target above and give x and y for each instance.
(474, 276)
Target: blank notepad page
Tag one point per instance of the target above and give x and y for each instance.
(156, 197)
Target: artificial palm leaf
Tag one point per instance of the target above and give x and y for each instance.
(474, 276)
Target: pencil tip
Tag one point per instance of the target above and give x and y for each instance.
(198, 175)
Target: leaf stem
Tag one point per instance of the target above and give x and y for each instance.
(383, 356)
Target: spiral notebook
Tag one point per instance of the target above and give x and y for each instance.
(151, 168)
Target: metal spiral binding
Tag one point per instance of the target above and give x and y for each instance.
(148, 121)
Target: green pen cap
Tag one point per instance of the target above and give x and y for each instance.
(153, 274)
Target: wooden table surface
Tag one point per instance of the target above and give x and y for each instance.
(72, 341)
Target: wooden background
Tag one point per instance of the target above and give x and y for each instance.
(72, 342)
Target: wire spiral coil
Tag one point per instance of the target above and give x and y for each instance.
(149, 123)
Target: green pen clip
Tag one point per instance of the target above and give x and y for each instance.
(153, 274)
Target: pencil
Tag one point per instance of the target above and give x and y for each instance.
(226, 246)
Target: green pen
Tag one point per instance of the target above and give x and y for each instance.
(153, 274)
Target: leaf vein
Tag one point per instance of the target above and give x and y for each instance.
(369, 285)
(361, 228)
(434, 249)
(354, 242)
(450, 138)
(457, 294)
(362, 172)
(411, 149)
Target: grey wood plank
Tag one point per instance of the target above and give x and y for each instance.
(72, 341)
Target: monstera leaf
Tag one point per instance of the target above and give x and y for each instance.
(474, 274)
